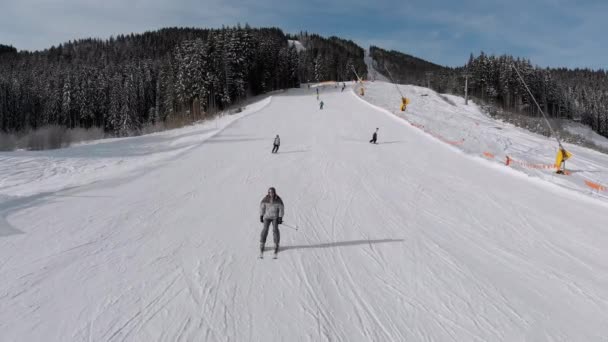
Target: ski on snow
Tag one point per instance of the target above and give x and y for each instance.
(274, 255)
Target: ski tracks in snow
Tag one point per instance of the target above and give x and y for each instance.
(399, 241)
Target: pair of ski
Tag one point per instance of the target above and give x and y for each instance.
(275, 255)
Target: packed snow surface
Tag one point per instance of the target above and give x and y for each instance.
(587, 134)
(155, 238)
(468, 129)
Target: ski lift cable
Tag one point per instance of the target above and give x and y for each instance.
(393, 80)
(537, 105)
(355, 71)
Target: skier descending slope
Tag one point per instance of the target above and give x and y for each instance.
(276, 144)
(374, 137)
(271, 211)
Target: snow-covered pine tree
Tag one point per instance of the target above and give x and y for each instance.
(66, 103)
(127, 122)
(114, 108)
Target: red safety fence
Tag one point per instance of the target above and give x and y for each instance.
(595, 186)
(510, 161)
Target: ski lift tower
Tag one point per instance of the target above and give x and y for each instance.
(466, 75)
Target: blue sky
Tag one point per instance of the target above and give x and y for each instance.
(549, 32)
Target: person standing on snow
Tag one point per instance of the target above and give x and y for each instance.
(374, 137)
(277, 143)
(321, 105)
(271, 211)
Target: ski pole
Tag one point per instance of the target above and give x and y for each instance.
(289, 226)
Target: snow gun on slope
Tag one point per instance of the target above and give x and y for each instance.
(562, 154)
(404, 100)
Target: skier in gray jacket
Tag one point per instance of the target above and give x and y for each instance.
(271, 211)
(276, 144)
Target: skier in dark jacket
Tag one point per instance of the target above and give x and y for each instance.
(321, 105)
(271, 211)
(374, 137)
(276, 144)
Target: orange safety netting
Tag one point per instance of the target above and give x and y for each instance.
(595, 186)
(510, 161)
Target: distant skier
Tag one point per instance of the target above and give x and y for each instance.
(271, 211)
(276, 144)
(374, 137)
(343, 86)
(321, 105)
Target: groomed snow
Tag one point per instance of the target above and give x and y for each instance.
(467, 128)
(586, 133)
(407, 240)
(25, 173)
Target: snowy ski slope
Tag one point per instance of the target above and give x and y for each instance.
(155, 238)
(470, 130)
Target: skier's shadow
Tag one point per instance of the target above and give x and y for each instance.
(391, 142)
(363, 140)
(7, 230)
(590, 171)
(341, 244)
(298, 151)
